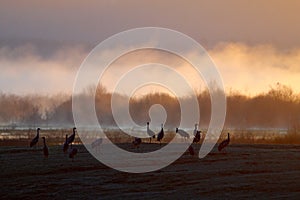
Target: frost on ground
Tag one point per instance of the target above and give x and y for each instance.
(253, 171)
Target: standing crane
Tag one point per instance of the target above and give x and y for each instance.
(160, 135)
(45, 148)
(182, 133)
(224, 143)
(196, 129)
(150, 132)
(191, 150)
(66, 145)
(70, 139)
(73, 153)
(35, 140)
(197, 137)
(137, 141)
(95, 144)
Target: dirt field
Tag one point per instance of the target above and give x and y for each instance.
(244, 171)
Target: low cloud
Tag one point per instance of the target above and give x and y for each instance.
(253, 69)
(249, 69)
(25, 70)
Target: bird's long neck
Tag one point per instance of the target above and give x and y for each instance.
(228, 137)
(44, 141)
(147, 127)
(37, 133)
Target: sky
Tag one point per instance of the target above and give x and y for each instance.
(254, 44)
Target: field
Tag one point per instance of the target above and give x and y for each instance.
(243, 171)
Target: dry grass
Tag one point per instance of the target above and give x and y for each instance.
(57, 137)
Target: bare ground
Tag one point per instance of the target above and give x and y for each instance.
(243, 171)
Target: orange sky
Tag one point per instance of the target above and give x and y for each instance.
(254, 44)
(249, 69)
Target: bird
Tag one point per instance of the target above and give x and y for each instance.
(224, 143)
(96, 143)
(45, 148)
(70, 139)
(73, 153)
(160, 135)
(182, 133)
(191, 150)
(196, 129)
(137, 141)
(66, 145)
(150, 132)
(197, 137)
(35, 140)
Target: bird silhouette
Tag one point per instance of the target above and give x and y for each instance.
(191, 150)
(197, 137)
(45, 148)
(137, 141)
(182, 133)
(70, 139)
(150, 132)
(73, 153)
(224, 143)
(35, 140)
(160, 135)
(95, 144)
(66, 145)
(196, 129)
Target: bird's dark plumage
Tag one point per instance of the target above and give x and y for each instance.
(197, 137)
(73, 153)
(70, 139)
(66, 145)
(35, 140)
(160, 135)
(150, 132)
(182, 133)
(137, 141)
(224, 143)
(191, 150)
(96, 143)
(45, 148)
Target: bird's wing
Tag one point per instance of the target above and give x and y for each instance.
(150, 132)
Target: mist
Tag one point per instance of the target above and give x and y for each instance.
(253, 69)
(36, 87)
(25, 69)
(276, 108)
(249, 69)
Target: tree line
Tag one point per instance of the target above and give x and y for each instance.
(279, 107)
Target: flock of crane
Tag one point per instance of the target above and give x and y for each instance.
(69, 140)
(197, 137)
(137, 141)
